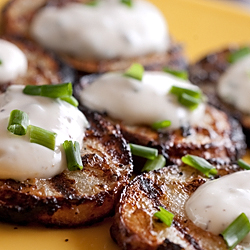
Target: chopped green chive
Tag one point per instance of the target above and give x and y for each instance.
(236, 55)
(18, 122)
(178, 91)
(146, 152)
(1, 62)
(63, 91)
(165, 216)
(161, 124)
(236, 231)
(135, 71)
(187, 97)
(200, 164)
(157, 163)
(189, 101)
(70, 99)
(42, 136)
(32, 90)
(129, 3)
(183, 74)
(73, 156)
(243, 164)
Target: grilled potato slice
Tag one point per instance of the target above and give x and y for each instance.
(74, 198)
(135, 227)
(18, 14)
(43, 67)
(217, 138)
(206, 73)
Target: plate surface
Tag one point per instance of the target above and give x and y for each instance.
(202, 26)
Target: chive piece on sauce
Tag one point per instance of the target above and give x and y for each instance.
(238, 54)
(165, 216)
(73, 156)
(146, 152)
(189, 98)
(161, 124)
(183, 74)
(178, 91)
(129, 3)
(18, 122)
(236, 231)
(157, 163)
(42, 137)
(188, 101)
(243, 164)
(200, 164)
(70, 99)
(63, 91)
(135, 71)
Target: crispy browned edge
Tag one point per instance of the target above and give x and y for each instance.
(139, 230)
(17, 15)
(206, 72)
(106, 158)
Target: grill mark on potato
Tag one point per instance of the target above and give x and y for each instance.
(64, 185)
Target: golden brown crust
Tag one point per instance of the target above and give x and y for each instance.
(43, 68)
(135, 227)
(18, 14)
(74, 198)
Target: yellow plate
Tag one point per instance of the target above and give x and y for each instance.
(202, 26)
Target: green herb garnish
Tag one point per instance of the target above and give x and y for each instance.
(200, 164)
(63, 91)
(157, 163)
(188, 101)
(243, 164)
(18, 122)
(1, 62)
(238, 54)
(161, 124)
(129, 3)
(135, 71)
(236, 231)
(42, 136)
(187, 97)
(183, 74)
(165, 216)
(146, 152)
(73, 156)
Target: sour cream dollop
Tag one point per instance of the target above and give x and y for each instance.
(19, 158)
(108, 30)
(217, 203)
(234, 85)
(13, 62)
(141, 102)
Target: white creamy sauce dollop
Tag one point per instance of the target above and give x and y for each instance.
(141, 102)
(217, 203)
(19, 158)
(13, 62)
(234, 85)
(108, 30)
